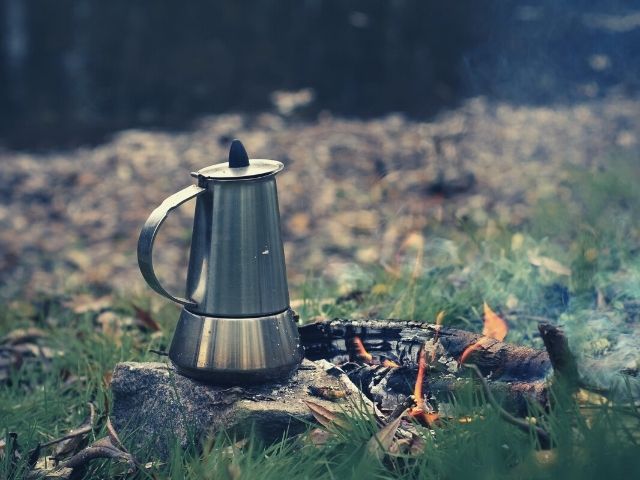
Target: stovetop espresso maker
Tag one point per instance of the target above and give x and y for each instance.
(236, 325)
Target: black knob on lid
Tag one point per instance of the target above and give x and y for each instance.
(238, 157)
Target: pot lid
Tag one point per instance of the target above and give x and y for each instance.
(239, 166)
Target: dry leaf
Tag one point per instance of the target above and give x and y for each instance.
(146, 320)
(23, 335)
(111, 326)
(548, 264)
(324, 416)
(87, 303)
(494, 326)
(318, 437)
(106, 379)
(413, 446)
(378, 446)
(45, 469)
(299, 223)
(417, 445)
(586, 397)
(327, 393)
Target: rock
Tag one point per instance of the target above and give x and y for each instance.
(154, 406)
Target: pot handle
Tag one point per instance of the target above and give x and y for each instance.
(148, 235)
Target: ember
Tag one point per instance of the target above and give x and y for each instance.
(494, 328)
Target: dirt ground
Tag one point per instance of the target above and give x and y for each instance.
(351, 191)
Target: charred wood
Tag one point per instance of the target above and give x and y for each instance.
(516, 374)
(562, 360)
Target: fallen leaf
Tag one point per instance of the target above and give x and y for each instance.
(327, 393)
(418, 445)
(299, 223)
(23, 335)
(548, 264)
(146, 320)
(110, 325)
(586, 397)
(106, 379)
(45, 469)
(87, 303)
(379, 444)
(494, 326)
(324, 416)
(380, 289)
(318, 437)
(413, 446)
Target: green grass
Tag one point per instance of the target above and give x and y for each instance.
(38, 406)
(593, 231)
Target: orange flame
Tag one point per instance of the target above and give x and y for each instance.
(362, 352)
(422, 365)
(420, 411)
(494, 328)
(389, 363)
(472, 348)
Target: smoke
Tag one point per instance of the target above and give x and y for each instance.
(607, 348)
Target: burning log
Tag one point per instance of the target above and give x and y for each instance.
(517, 374)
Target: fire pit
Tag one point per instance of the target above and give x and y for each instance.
(396, 369)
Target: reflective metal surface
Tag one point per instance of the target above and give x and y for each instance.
(148, 236)
(236, 350)
(257, 168)
(236, 266)
(236, 325)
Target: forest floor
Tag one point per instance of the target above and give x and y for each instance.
(351, 193)
(531, 209)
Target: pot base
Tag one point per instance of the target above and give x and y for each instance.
(236, 351)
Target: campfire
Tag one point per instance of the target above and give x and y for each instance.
(414, 370)
(495, 328)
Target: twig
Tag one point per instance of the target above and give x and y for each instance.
(543, 435)
(402, 407)
(162, 353)
(74, 433)
(102, 448)
(113, 436)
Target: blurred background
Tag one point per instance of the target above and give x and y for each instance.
(393, 118)
(73, 70)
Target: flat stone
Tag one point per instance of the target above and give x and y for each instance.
(154, 406)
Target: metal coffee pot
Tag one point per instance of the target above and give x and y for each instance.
(236, 325)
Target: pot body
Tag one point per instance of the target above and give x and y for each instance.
(237, 266)
(236, 326)
(234, 351)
